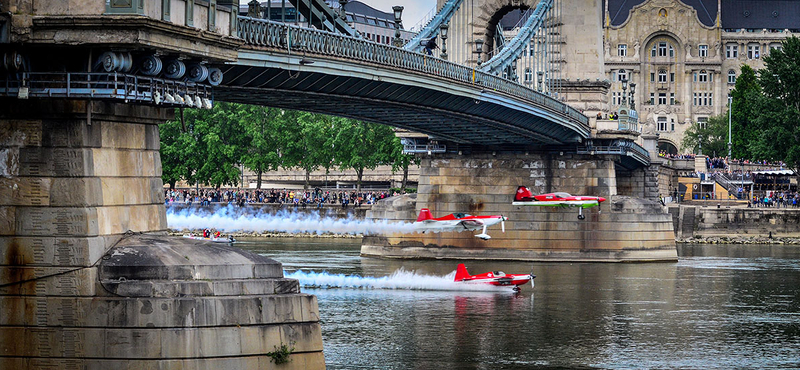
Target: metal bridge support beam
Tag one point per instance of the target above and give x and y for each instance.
(622, 229)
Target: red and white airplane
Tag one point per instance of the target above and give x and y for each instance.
(524, 197)
(457, 222)
(496, 278)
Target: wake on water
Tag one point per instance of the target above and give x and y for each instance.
(230, 219)
(398, 280)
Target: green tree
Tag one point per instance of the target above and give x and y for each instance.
(779, 133)
(712, 137)
(361, 145)
(402, 161)
(309, 143)
(264, 129)
(175, 143)
(746, 100)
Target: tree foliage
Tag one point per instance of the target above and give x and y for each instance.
(712, 137)
(362, 145)
(746, 99)
(209, 147)
(779, 131)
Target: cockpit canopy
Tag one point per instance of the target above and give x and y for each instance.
(460, 215)
(498, 273)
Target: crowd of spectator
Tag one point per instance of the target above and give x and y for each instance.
(716, 163)
(240, 197)
(664, 154)
(777, 199)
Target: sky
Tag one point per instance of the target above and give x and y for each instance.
(413, 10)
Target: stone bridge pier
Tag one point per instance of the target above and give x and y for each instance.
(625, 228)
(88, 278)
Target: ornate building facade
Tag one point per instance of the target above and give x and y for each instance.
(685, 56)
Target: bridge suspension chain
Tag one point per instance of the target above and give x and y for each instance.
(431, 30)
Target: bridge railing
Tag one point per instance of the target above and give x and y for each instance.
(266, 33)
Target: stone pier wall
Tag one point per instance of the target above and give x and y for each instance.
(88, 278)
(621, 229)
(711, 221)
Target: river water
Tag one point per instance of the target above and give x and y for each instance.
(718, 307)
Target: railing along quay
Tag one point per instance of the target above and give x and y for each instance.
(266, 33)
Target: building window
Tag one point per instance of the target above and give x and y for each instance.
(662, 76)
(528, 75)
(671, 98)
(672, 77)
(702, 99)
(616, 98)
(702, 122)
(775, 46)
(652, 98)
(701, 77)
(652, 77)
(753, 51)
(662, 49)
(662, 123)
(622, 50)
(702, 51)
(731, 77)
(731, 51)
(662, 98)
(622, 75)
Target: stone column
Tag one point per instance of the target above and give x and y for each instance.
(76, 177)
(621, 229)
(88, 278)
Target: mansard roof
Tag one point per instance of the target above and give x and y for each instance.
(619, 10)
(760, 14)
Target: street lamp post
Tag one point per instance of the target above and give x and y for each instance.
(624, 94)
(730, 108)
(398, 12)
(479, 49)
(443, 31)
(539, 79)
(342, 13)
(633, 90)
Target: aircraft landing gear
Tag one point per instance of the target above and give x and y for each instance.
(517, 289)
(580, 214)
(581, 217)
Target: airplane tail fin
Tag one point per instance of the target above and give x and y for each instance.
(523, 194)
(424, 214)
(461, 272)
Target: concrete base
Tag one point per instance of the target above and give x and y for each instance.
(622, 229)
(167, 302)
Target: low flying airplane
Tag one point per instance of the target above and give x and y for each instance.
(497, 278)
(457, 222)
(524, 197)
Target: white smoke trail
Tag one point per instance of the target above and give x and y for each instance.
(398, 280)
(230, 220)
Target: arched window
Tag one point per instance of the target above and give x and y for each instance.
(528, 75)
(662, 75)
(622, 75)
(731, 77)
(702, 76)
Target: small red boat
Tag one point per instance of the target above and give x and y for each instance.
(497, 278)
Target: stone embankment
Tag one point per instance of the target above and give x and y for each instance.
(740, 240)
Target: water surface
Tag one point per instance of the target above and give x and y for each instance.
(718, 307)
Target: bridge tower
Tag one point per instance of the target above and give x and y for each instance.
(572, 29)
(88, 277)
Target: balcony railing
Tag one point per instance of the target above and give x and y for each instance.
(269, 34)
